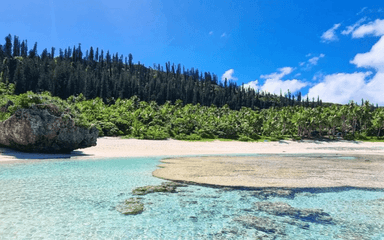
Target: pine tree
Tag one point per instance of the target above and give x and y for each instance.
(19, 79)
(16, 46)
(91, 55)
(52, 53)
(8, 46)
(33, 52)
(24, 49)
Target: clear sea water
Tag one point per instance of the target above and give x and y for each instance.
(76, 199)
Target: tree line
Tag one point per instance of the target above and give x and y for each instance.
(132, 118)
(110, 76)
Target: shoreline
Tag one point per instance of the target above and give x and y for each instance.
(240, 171)
(116, 147)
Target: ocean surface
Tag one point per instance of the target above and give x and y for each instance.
(76, 199)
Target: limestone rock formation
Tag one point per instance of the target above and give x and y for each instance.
(43, 128)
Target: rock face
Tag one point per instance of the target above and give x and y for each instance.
(43, 128)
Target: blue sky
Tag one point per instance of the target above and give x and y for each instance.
(334, 49)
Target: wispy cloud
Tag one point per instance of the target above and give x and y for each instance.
(278, 75)
(329, 35)
(361, 11)
(228, 75)
(211, 33)
(223, 35)
(351, 28)
(375, 28)
(313, 61)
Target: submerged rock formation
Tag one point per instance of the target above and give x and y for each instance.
(264, 224)
(131, 206)
(43, 128)
(164, 187)
(284, 209)
(266, 193)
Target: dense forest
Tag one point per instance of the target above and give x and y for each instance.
(125, 99)
(110, 76)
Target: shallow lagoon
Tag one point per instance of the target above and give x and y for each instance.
(76, 199)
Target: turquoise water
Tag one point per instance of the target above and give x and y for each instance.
(76, 199)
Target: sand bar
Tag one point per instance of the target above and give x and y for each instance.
(364, 171)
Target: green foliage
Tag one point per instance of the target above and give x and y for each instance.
(145, 120)
(6, 89)
(156, 133)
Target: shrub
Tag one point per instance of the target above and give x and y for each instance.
(156, 133)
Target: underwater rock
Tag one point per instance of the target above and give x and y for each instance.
(230, 233)
(264, 194)
(284, 209)
(131, 206)
(264, 224)
(299, 224)
(164, 187)
(43, 128)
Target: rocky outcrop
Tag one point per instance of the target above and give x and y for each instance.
(131, 206)
(284, 209)
(164, 187)
(43, 128)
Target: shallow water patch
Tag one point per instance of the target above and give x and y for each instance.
(77, 200)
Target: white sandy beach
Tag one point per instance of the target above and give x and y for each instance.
(112, 147)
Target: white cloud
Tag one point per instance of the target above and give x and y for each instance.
(228, 75)
(274, 83)
(223, 35)
(343, 87)
(373, 58)
(375, 28)
(251, 84)
(301, 64)
(313, 61)
(339, 87)
(211, 32)
(329, 35)
(351, 28)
